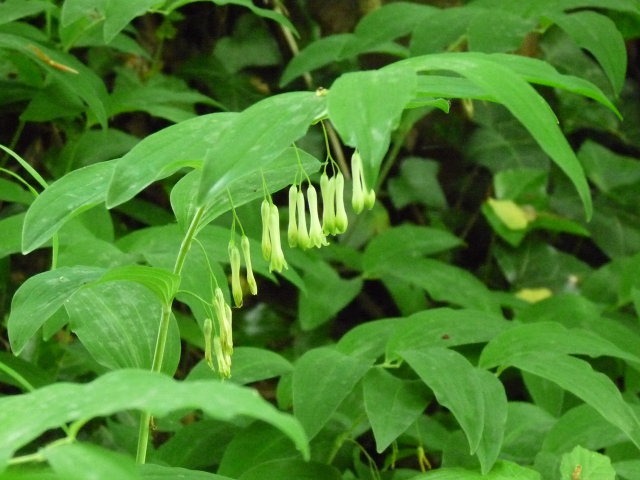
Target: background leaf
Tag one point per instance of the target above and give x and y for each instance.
(364, 122)
(459, 390)
(316, 398)
(120, 390)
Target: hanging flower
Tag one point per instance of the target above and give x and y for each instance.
(341, 220)
(246, 253)
(327, 191)
(207, 330)
(236, 287)
(277, 256)
(303, 236)
(316, 236)
(292, 230)
(265, 211)
(357, 197)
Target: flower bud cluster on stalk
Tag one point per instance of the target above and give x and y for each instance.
(333, 221)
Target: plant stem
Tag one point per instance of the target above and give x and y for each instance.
(163, 331)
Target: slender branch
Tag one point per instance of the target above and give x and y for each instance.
(163, 332)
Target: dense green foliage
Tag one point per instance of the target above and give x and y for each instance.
(472, 312)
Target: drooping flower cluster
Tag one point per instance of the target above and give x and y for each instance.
(223, 339)
(271, 246)
(333, 221)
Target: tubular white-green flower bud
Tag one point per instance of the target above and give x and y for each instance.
(316, 237)
(327, 190)
(303, 235)
(236, 287)
(227, 339)
(370, 199)
(207, 331)
(357, 198)
(246, 253)
(265, 211)
(218, 306)
(223, 360)
(292, 231)
(342, 222)
(277, 256)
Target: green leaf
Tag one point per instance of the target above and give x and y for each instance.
(457, 386)
(326, 292)
(502, 471)
(445, 327)
(252, 446)
(599, 35)
(254, 364)
(117, 322)
(11, 239)
(508, 88)
(119, 13)
(164, 153)
(627, 469)
(587, 465)
(405, 241)
(121, 390)
(373, 33)
(12, 10)
(526, 428)
(362, 120)
(255, 138)
(246, 188)
(69, 196)
(40, 297)
(495, 419)
(315, 55)
(581, 425)
(542, 73)
(607, 170)
(549, 337)
(84, 84)
(149, 471)
(392, 405)
(291, 468)
(316, 397)
(162, 283)
(198, 444)
(437, 278)
(74, 461)
(367, 340)
(594, 388)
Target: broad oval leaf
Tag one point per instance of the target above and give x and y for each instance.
(502, 471)
(392, 405)
(549, 337)
(162, 283)
(40, 297)
(362, 119)
(599, 35)
(163, 153)
(508, 88)
(57, 404)
(256, 137)
(457, 386)
(445, 327)
(69, 196)
(316, 397)
(118, 324)
(74, 460)
(277, 175)
(594, 388)
(405, 241)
